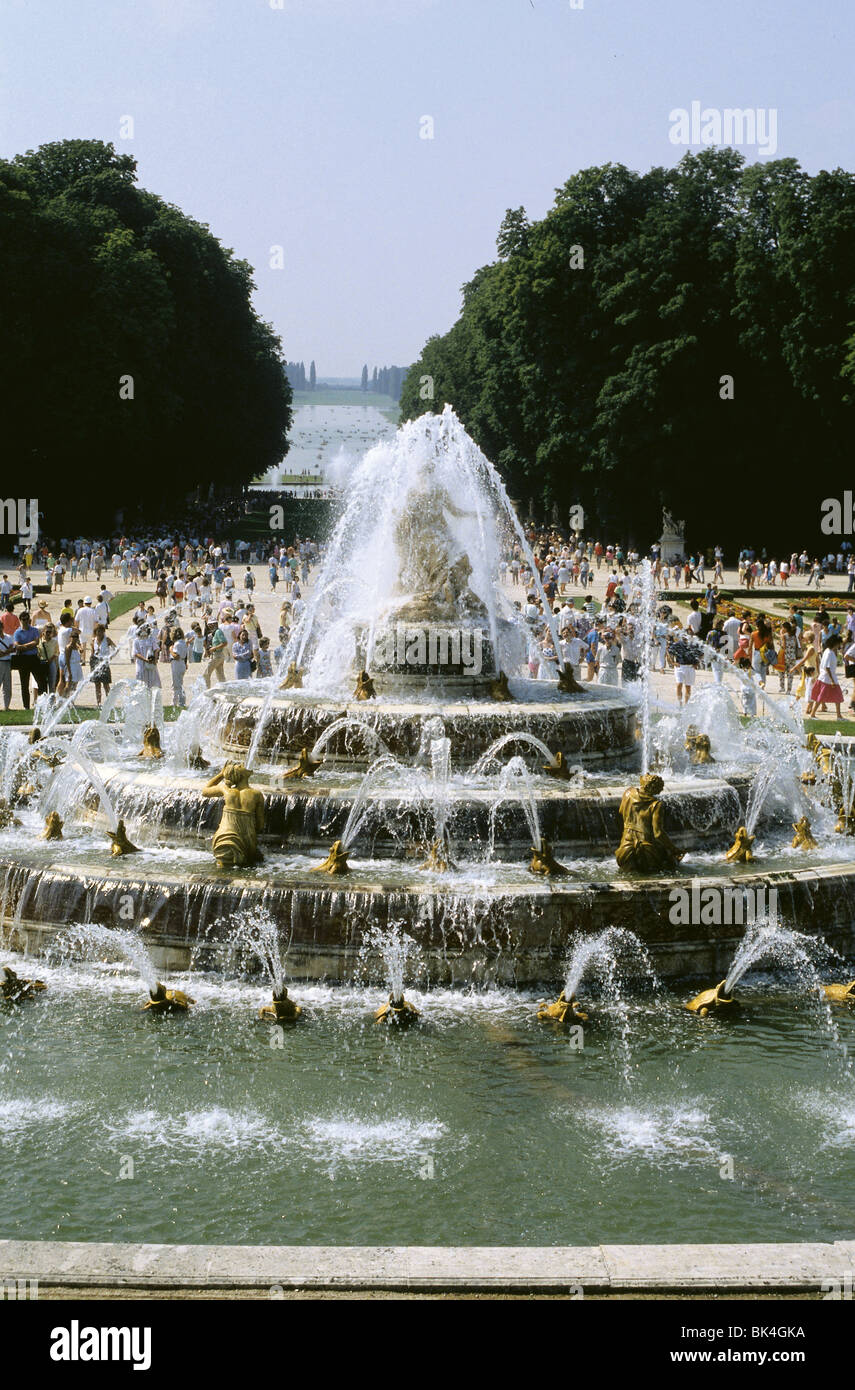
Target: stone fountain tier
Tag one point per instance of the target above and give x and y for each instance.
(594, 729)
(453, 660)
(578, 818)
(509, 932)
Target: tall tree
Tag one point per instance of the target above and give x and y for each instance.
(130, 346)
(681, 337)
(313, 376)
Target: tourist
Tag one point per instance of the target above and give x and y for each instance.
(73, 662)
(217, 652)
(826, 687)
(144, 651)
(50, 655)
(64, 634)
(718, 641)
(630, 650)
(99, 662)
(197, 643)
(608, 658)
(178, 667)
(7, 647)
(86, 624)
(685, 654)
(263, 658)
(242, 653)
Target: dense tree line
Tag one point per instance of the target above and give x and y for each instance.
(387, 381)
(681, 337)
(131, 357)
(297, 375)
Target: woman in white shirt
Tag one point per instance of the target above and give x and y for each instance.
(178, 667)
(826, 687)
(144, 649)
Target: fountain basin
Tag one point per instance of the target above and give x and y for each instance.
(579, 818)
(513, 929)
(593, 728)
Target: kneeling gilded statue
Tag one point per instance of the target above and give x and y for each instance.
(645, 847)
(235, 842)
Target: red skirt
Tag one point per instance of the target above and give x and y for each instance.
(821, 693)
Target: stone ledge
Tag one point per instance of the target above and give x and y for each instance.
(604, 1268)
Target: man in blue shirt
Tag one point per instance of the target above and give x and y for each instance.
(26, 641)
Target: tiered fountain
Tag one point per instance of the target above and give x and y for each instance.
(401, 768)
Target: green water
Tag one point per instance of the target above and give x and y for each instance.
(480, 1126)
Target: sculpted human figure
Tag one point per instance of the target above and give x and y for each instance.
(645, 847)
(235, 842)
(434, 572)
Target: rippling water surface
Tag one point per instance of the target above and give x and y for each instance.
(479, 1125)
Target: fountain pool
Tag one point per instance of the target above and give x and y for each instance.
(394, 814)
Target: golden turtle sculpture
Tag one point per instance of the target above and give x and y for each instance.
(397, 1011)
(168, 1001)
(710, 999)
(14, 988)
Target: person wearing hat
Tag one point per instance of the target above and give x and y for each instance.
(86, 621)
(42, 616)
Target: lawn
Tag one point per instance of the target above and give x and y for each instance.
(25, 716)
(326, 395)
(123, 603)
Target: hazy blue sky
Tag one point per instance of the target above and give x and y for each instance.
(300, 125)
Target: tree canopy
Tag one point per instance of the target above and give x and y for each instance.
(591, 361)
(131, 356)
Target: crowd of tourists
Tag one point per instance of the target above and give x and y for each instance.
(202, 615)
(802, 649)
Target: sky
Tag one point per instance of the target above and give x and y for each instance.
(301, 124)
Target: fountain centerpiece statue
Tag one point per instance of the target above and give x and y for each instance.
(434, 570)
(434, 624)
(235, 842)
(645, 847)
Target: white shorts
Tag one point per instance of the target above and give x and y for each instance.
(684, 675)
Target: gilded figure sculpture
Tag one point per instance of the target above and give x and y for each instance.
(53, 826)
(364, 687)
(558, 768)
(282, 1010)
(335, 862)
(803, 838)
(740, 850)
(120, 844)
(567, 682)
(306, 766)
(235, 842)
(840, 994)
(543, 861)
(397, 1011)
(645, 847)
(293, 678)
(151, 743)
(698, 747)
(499, 688)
